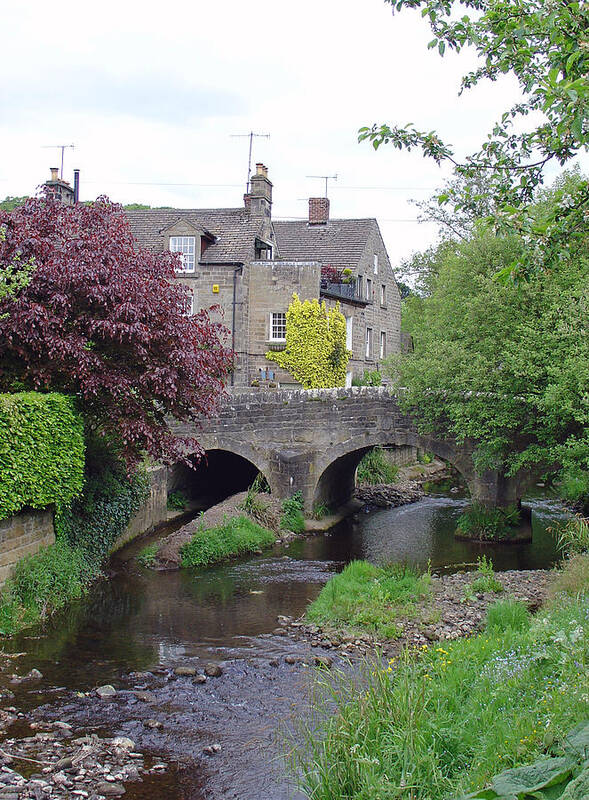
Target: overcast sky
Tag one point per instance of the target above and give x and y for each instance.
(152, 94)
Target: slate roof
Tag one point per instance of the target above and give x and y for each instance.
(234, 229)
(341, 242)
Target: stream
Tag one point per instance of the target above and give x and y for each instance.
(137, 620)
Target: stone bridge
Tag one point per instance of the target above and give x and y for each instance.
(313, 440)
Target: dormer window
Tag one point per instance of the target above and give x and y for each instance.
(262, 251)
(185, 245)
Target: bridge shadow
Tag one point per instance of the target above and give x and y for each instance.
(217, 476)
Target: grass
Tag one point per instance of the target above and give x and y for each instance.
(369, 598)
(292, 518)
(146, 557)
(574, 536)
(442, 720)
(484, 580)
(374, 468)
(488, 524)
(235, 537)
(320, 510)
(177, 501)
(42, 583)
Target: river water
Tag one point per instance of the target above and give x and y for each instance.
(137, 619)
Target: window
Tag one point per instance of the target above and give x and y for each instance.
(262, 251)
(369, 290)
(383, 344)
(278, 326)
(376, 263)
(185, 246)
(368, 342)
(360, 286)
(383, 294)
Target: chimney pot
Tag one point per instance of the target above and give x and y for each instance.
(318, 210)
(54, 173)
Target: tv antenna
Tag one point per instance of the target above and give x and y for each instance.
(250, 136)
(61, 147)
(324, 178)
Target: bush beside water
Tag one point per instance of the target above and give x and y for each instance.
(374, 468)
(488, 524)
(292, 518)
(85, 532)
(442, 720)
(235, 537)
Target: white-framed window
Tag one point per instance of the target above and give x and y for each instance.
(369, 290)
(383, 344)
(277, 326)
(185, 245)
(383, 294)
(189, 303)
(376, 263)
(349, 332)
(368, 342)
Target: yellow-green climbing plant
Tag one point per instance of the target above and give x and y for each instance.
(315, 352)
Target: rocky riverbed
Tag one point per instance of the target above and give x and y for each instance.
(223, 726)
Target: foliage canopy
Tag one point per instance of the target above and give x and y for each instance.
(105, 321)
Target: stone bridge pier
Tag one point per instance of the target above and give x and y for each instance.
(312, 441)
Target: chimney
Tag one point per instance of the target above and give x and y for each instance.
(318, 210)
(259, 200)
(54, 173)
(76, 186)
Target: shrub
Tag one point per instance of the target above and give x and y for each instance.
(374, 468)
(488, 524)
(574, 536)
(369, 378)
(177, 501)
(235, 537)
(292, 518)
(315, 353)
(147, 555)
(108, 502)
(573, 578)
(47, 426)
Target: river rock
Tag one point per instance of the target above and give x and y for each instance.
(110, 789)
(106, 691)
(33, 675)
(123, 742)
(323, 661)
(185, 671)
(154, 724)
(212, 749)
(213, 670)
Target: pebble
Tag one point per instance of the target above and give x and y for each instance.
(110, 789)
(185, 671)
(212, 749)
(213, 670)
(200, 679)
(106, 691)
(146, 697)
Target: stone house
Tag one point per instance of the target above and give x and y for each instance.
(249, 265)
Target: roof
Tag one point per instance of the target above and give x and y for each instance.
(234, 229)
(340, 242)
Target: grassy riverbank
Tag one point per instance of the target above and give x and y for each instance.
(369, 598)
(444, 719)
(237, 536)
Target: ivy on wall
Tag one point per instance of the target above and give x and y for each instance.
(315, 352)
(41, 451)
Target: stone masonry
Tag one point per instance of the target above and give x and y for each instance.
(23, 535)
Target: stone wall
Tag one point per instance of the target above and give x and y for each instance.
(154, 510)
(23, 535)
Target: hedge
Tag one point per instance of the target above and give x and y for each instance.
(41, 451)
(315, 353)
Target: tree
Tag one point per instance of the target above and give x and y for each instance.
(507, 368)
(10, 203)
(106, 322)
(545, 45)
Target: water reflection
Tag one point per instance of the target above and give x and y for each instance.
(137, 618)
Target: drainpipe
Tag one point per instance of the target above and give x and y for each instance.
(237, 268)
(76, 186)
